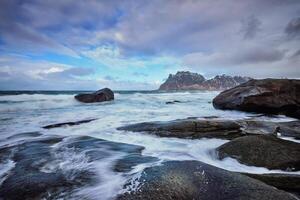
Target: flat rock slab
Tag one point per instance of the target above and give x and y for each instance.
(289, 129)
(187, 180)
(189, 128)
(263, 151)
(211, 127)
(68, 124)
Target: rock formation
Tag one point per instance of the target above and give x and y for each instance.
(274, 96)
(193, 81)
(104, 94)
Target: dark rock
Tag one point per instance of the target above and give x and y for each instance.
(210, 117)
(104, 94)
(187, 180)
(27, 180)
(193, 81)
(128, 162)
(273, 96)
(263, 151)
(286, 182)
(173, 102)
(24, 135)
(189, 128)
(289, 129)
(68, 124)
(212, 127)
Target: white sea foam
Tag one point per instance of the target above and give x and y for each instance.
(5, 168)
(109, 182)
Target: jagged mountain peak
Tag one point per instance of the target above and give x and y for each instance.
(185, 80)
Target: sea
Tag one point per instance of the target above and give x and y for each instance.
(28, 111)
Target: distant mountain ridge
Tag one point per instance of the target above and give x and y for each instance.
(185, 80)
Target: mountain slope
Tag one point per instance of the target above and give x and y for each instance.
(184, 80)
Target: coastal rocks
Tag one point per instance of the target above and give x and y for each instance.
(104, 94)
(55, 167)
(286, 182)
(68, 124)
(189, 128)
(195, 180)
(263, 151)
(288, 129)
(185, 80)
(273, 96)
(214, 127)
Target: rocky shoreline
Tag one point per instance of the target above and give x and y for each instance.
(38, 172)
(272, 96)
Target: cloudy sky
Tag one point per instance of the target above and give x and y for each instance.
(135, 44)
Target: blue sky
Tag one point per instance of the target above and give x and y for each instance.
(79, 45)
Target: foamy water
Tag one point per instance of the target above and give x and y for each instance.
(28, 113)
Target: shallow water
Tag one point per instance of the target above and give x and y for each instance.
(25, 113)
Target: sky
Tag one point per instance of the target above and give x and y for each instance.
(135, 44)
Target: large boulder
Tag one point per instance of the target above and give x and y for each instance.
(104, 94)
(263, 151)
(187, 180)
(189, 128)
(275, 96)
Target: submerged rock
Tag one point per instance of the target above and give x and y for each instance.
(173, 102)
(274, 96)
(104, 94)
(41, 171)
(187, 180)
(189, 128)
(68, 124)
(263, 151)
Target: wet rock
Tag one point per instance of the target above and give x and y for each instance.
(274, 96)
(189, 128)
(173, 102)
(289, 129)
(68, 124)
(41, 170)
(104, 94)
(286, 182)
(187, 180)
(26, 181)
(263, 151)
(210, 117)
(127, 163)
(24, 135)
